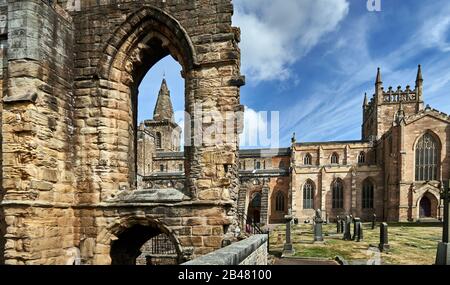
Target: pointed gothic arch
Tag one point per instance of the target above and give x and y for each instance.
(427, 156)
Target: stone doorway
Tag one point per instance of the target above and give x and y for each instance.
(428, 206)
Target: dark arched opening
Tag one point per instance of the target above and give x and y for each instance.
(130, 243)
(425, 207)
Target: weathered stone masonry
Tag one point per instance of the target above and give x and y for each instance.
(69, 126)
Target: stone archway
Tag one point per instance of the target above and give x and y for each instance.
(127, 248)
(126, 236)
(427, 206)
(146, 36)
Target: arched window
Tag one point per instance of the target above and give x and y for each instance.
(367, 194)
(338, 194)
(362, 157)
(258, 165)
(308, 159)
(256, 200)
(161, 168)
(335, 158)
(308, 195)
(427, 158)
(279, 207)
(158, 140)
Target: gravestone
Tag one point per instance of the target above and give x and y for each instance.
(347, 230)
(360, 233)
(354, 228)
(357, 230)
(288, 249)
(338, 224)
(384, 238)
(318, 233)
(374, 221)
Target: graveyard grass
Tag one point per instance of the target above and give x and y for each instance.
(411, 243)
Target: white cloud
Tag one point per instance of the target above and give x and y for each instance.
(261, 129)
(436, 28)
(277, 33)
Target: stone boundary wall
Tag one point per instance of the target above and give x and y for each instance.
(251, 251)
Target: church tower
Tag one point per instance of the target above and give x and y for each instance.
(166, 132)
(380, 112)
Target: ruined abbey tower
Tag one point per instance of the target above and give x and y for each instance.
(69, 75)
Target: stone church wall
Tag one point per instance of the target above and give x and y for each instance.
(37, 134)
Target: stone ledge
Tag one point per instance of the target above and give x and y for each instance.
(233, 254)
(29, 97)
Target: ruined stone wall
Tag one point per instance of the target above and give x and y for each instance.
(3, 62)
(251, 251)
(115, 45)
(37, 131)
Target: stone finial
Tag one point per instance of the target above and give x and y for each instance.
(365, 104)
(293, 139)
(378, 80)
(419, 78)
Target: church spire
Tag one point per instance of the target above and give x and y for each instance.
(419, 89)
(163, 109)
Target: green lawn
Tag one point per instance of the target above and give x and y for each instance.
(410, 243)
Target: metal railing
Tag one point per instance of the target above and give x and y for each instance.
(249, 225)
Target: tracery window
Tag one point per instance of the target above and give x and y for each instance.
(427, 158)
(334, 158)
(280, 203)
(308, 195)
(308, 159)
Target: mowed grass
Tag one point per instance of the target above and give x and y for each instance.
(411, 244)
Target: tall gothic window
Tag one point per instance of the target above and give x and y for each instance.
(308, 159)
(367, 194)
(308, 195)
(362, 157)
(335, 158)
(427, 158)
(279, 207)
(338, 194)
(158, 140)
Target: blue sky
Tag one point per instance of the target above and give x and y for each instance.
(313, 60)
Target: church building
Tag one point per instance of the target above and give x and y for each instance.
(396, 171)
